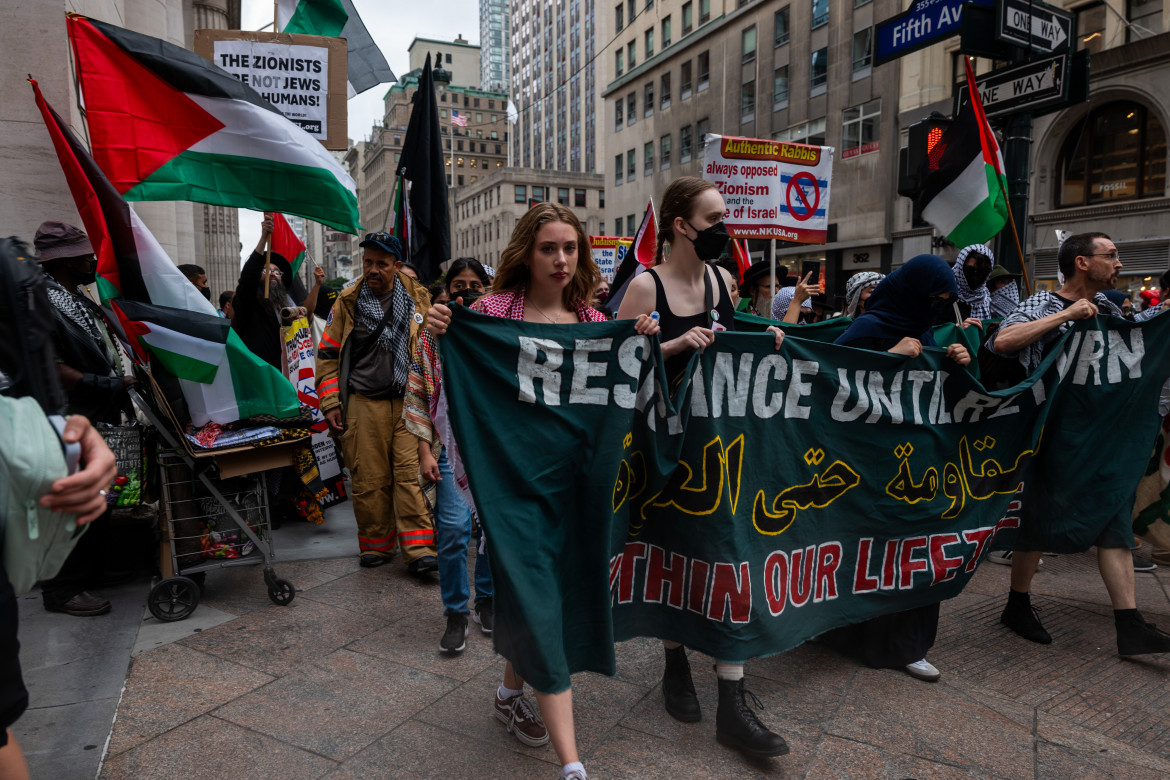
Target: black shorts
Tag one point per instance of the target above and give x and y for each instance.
(13, 695)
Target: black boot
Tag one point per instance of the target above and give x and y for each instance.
(1020, 616)
(677, 687)
(1137, 637)
(736, 726)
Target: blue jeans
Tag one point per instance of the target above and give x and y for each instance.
(452, 532)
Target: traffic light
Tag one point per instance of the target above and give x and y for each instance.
(922, 155)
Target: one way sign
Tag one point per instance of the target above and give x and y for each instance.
(1034, 25)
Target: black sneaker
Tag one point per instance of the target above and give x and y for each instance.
(1143, 564)
(455, 637)
(422, 567)
(1137, 637)
(485, 616)
(1020, 616)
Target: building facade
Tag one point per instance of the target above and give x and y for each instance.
(793, 71)
(495, 41)
(471, 152)
(1094, 166)
(486, 212)
(35, 40)
(554, 84)
(460, 58)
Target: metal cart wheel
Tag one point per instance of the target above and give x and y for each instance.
(282, 592)
(175, 598)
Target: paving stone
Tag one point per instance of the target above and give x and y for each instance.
(387, 593)
(338, 705)
(1055, 762)
(241, 589)
(406, 642)
(421, 750)
(633, 754)
(210, 748)
(889, 709)
(174, 684)
(277, 639)
(842, 759)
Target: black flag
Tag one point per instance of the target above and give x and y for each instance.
(422, 164)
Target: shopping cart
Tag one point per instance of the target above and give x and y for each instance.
(214, 514)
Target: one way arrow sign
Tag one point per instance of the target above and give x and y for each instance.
(1033, 25)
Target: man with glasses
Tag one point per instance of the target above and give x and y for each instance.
(1090, 264)
(363, 362)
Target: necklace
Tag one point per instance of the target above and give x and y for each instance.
(543, 314)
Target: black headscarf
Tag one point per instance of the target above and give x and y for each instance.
(901, 304)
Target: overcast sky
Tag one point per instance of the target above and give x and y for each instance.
(393, 25)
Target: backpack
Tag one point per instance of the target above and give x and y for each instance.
(35, 541)
(27, 363)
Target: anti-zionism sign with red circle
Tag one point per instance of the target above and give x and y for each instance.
(773, 189)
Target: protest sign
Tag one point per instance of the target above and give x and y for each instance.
(778, 493)
(608, 253)
(304, 76)
(773, 189)
(301, 369)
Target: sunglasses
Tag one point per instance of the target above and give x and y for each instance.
(379, 236)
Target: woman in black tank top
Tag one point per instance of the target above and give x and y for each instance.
(692, 303)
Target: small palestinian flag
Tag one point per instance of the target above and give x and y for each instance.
(743, 258)
(166, 124)
(966, 197)
(161, 314)
(311, 17)
(286, 243)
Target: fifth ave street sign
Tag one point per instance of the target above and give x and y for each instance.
(1028, 87)
(1033, 25)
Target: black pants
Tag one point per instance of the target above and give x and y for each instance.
(13, 695)
(84, 565)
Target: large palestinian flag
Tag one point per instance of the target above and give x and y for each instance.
(161, 314)
(965, 196)
(166, 124)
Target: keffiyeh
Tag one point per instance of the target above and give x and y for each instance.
(978, 299)
(393, 338)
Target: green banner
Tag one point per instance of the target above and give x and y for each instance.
(779, 493)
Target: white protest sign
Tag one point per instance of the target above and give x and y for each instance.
(608, 253)
(773, 189)
(295, 79)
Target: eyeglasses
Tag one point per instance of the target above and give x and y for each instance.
(1113, 256)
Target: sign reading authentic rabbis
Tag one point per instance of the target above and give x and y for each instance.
(773, 189)
(304, 76)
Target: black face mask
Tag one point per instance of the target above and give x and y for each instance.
(205, 292)
(977, 275)
(710, 241)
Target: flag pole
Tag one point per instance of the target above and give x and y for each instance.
(268, 260)
(1016, 236)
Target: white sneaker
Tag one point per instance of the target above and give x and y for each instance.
(576, 774)
(923, 670)
(1004, 557)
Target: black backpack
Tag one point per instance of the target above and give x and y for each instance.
(27, 362)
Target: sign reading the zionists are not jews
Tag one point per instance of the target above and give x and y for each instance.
(777, 493)
(773, 189)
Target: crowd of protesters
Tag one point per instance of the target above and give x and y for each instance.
(379, 382)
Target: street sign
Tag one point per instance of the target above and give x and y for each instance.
(977, 34)
(927, 22)
(1027, 87)
(1078, 84)
(1033, 25)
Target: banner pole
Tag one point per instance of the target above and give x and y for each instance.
(268, 261)
(1016, 236)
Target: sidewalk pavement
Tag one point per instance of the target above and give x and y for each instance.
(348, 682)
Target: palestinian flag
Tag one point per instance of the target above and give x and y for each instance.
(743, 258)
(166, 124)
(639, 258)
(286, 242)
(161, 314)
(311, 17)
(965, 194)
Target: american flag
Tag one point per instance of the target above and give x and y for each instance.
(457, 119)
